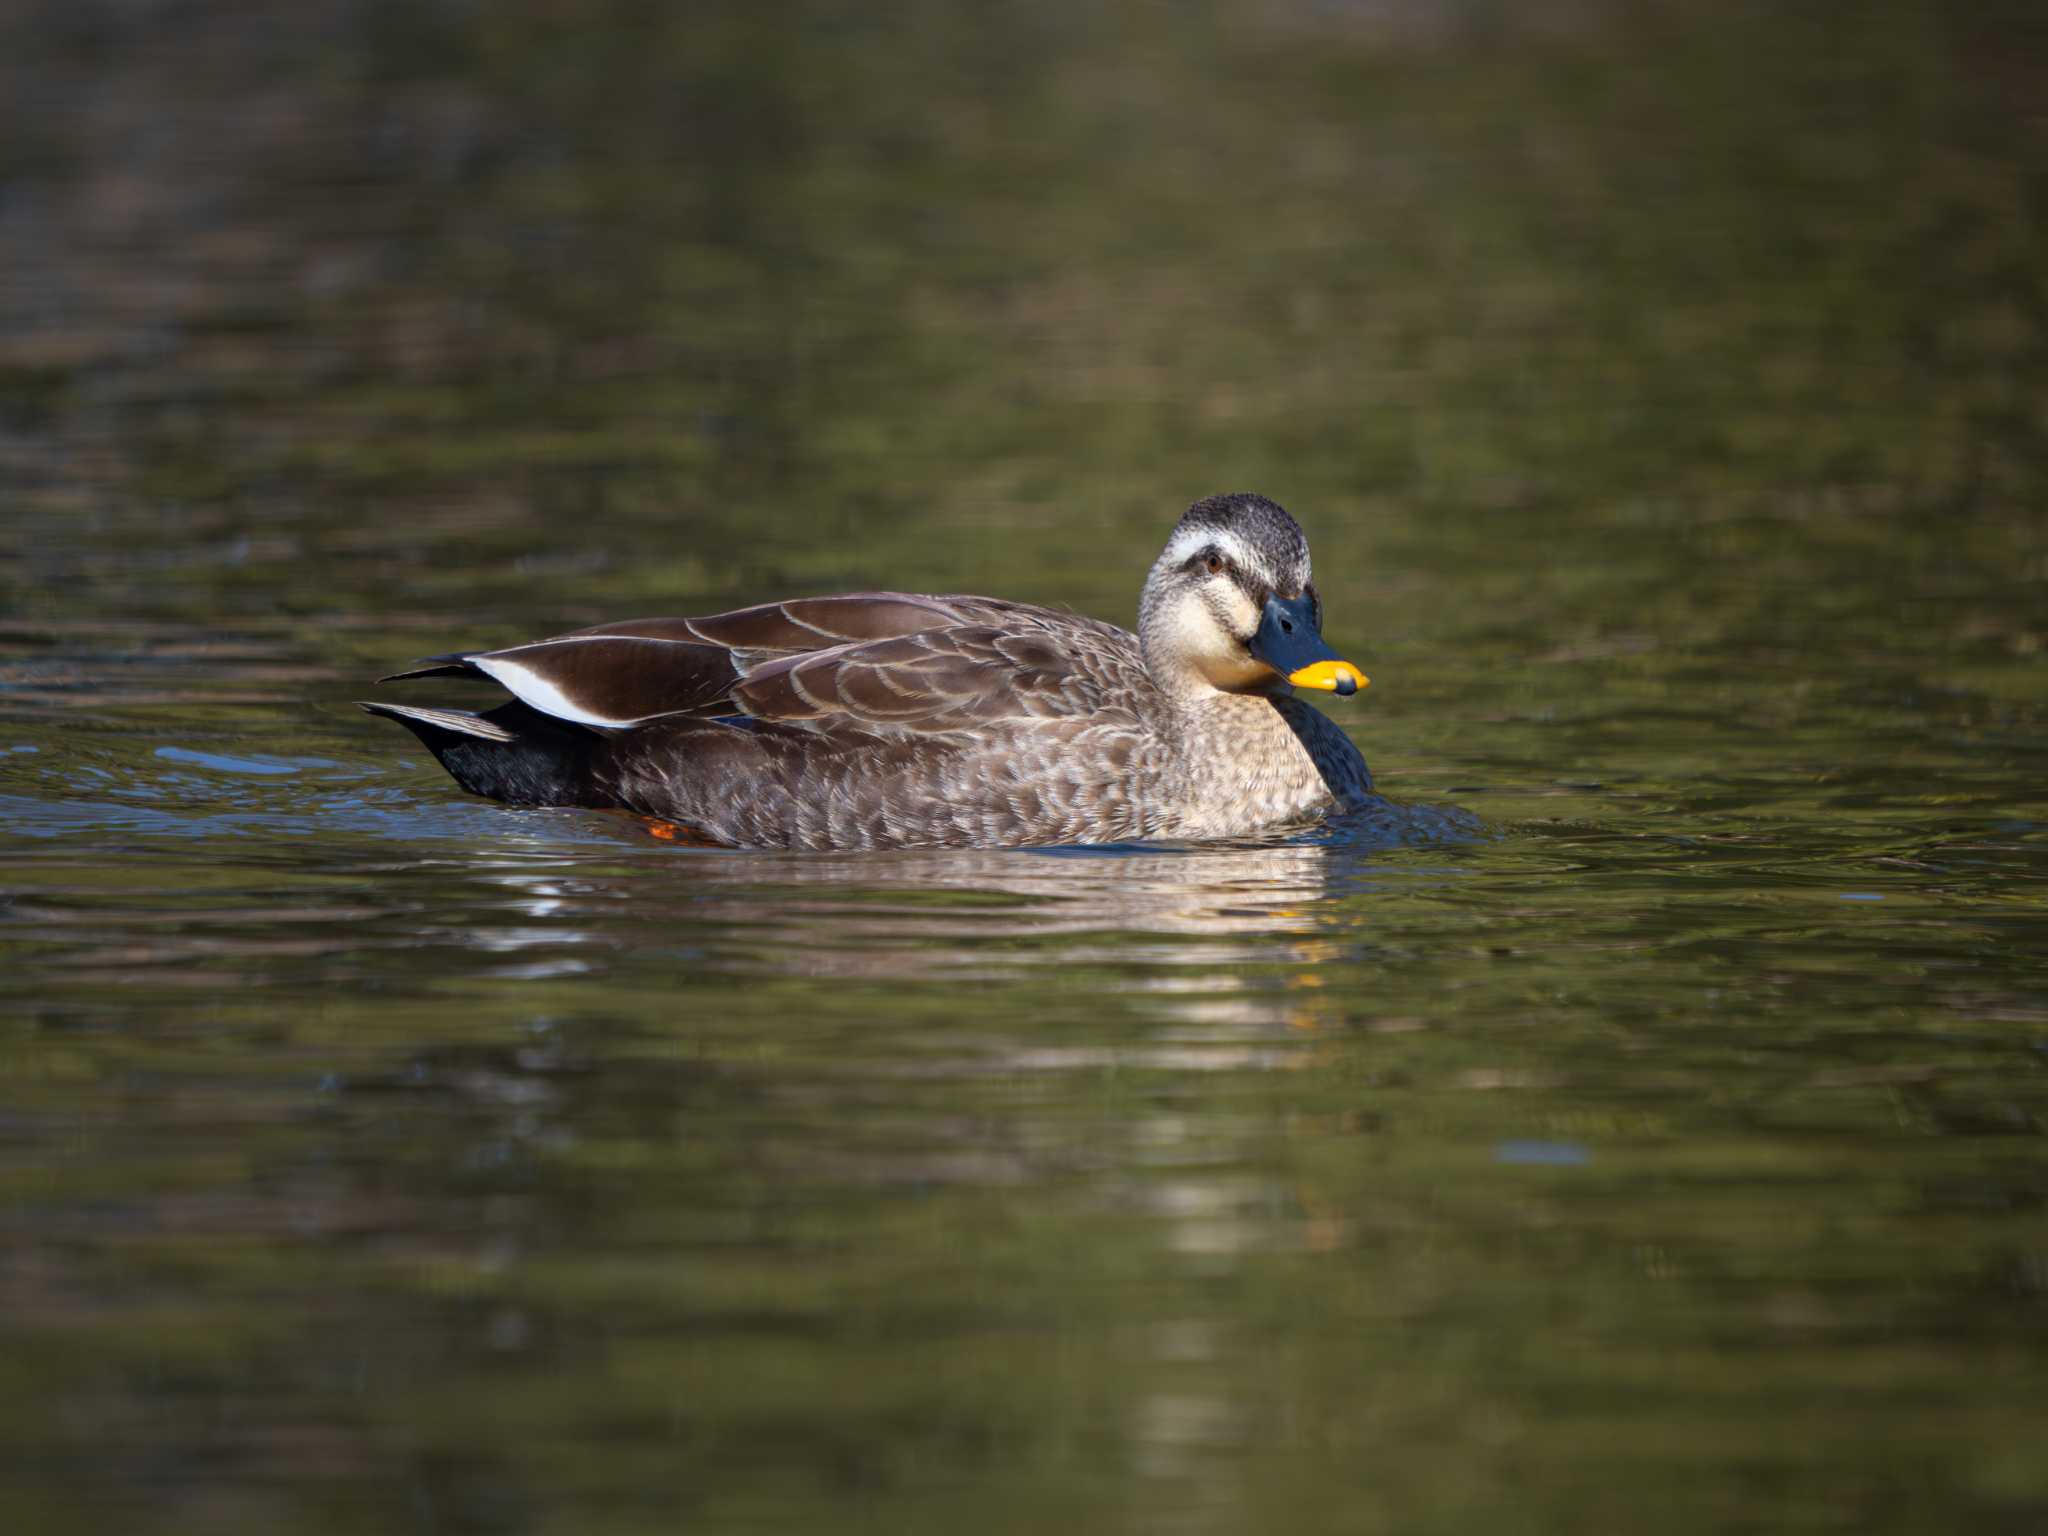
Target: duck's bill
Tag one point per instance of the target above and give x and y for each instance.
(1287, 641)
(1333, 676)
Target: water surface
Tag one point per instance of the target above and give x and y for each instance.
(1638, 1121)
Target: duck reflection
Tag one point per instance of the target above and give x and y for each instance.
(1178, 914)
(1232, 893)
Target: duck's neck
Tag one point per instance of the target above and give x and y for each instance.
(1198, 710)
(1192, 698)
(1172, 638)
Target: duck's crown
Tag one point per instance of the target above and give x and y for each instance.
(1256, 533)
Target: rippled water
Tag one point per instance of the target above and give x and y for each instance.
(1640, 1120)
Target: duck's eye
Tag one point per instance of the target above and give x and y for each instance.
(1214, 562)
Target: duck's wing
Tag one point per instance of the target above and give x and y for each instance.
(961, 677)
(886, 662)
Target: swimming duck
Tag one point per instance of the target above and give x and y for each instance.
(894, 720)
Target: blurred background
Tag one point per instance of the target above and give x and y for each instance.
(1638, 1119)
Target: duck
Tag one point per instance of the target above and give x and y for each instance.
(879, 720)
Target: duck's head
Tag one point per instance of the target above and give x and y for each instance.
(1230, 605)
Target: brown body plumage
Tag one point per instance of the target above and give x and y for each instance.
(888, 719)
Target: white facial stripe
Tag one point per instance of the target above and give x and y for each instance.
(1190, 542)
(1186, 544)
(529, 687)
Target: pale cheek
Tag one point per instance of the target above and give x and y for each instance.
(1243, 613)
(1206, 642)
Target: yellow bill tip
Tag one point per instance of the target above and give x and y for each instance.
(1331, 676)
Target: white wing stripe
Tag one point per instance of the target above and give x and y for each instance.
(529, 687)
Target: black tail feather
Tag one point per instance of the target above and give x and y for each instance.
(513, 753)
(449, 664)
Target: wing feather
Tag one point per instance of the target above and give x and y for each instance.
(799, 624)
(941, 680)
(611, 680)
(888, 664)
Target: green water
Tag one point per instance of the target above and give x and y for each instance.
(1638, 1123)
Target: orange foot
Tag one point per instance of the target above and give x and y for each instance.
(677, 832)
